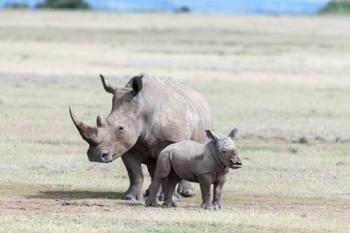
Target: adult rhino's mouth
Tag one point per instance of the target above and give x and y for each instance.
(99, 156)
(103, 158)
(106, 158)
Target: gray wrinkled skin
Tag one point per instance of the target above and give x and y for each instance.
(205, 164)
(147, 115)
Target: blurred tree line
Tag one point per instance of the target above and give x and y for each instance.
(54, 4)
(64, 4)
(332, 7)
(336, 7)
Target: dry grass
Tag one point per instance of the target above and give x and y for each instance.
(284, 82)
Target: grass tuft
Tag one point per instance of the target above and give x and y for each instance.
(303, 140)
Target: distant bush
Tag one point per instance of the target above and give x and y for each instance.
(183, 9)
(336, 7)
(16, 5)
(64, 4)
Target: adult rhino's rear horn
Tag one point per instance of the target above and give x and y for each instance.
(106, 85)
(87, 132)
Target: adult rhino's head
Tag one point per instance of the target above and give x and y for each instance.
(226, 150)
(115, 135)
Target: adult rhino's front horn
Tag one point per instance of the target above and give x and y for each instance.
(87, 132)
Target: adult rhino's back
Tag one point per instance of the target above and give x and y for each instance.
(179, 113)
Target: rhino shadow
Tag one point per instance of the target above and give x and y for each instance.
(76, 195)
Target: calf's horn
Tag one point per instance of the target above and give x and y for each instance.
(87, 132)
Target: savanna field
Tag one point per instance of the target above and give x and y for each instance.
(284, 82)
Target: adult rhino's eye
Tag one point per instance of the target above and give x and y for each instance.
(121, 127)
(223, 151)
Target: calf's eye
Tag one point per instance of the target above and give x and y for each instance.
(223, 151)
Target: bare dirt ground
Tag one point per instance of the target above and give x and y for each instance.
(283, 81)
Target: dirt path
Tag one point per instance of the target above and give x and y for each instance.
(71, 202)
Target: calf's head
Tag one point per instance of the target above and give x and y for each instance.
(226, 150)
(115, 135)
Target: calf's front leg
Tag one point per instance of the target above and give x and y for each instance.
(218, 186)
(205, 181)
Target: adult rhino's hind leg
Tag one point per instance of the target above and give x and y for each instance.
(132, 164)
(185, 189)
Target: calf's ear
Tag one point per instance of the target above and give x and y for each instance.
(233, 133)
(136, 84)
(211, 135)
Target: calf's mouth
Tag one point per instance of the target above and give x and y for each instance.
(236, 164)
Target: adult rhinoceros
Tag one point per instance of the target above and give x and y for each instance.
(147, 115)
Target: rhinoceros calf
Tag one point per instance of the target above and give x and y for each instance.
(205, 164)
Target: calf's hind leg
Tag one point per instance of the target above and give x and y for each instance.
(173, 180)
(151, 167)
(163, 169)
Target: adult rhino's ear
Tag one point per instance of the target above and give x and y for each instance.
(233, 133)
(211, 135)
(136, 84)
(107, 85)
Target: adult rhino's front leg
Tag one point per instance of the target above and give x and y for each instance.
(132, 164)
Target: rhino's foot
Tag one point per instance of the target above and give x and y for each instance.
(146, 194)
(132, 196)
(207, 206)
(176, 197)
(151, 203)
(161, 196)
(185, 191)
(216, 205)
(169, 204)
